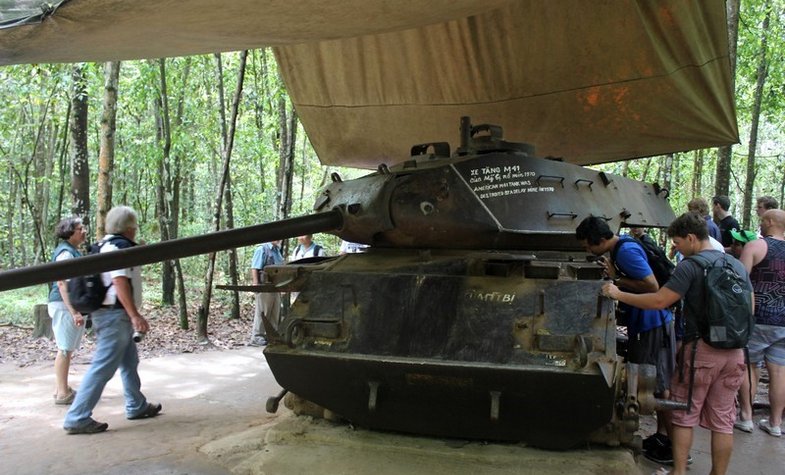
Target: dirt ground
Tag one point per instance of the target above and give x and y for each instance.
(214, 422)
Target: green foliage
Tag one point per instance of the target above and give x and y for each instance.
(16, 306)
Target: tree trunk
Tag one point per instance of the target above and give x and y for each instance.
(204, 308)
(667, 172)
(232, 253)
(80, 170)
(62, 164)
(106, 151)
(725, 154)
(697, 172)
(163, 187)
(762, 74)
(9, 219)
(43, 323)
(782, 184)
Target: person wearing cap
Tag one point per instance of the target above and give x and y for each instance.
(740, 238)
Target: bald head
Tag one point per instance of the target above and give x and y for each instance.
(772, 222)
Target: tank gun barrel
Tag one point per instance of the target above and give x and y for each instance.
(174, 249)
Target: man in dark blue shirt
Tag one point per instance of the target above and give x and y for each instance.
(650, 332)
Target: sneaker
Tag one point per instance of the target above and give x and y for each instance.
(655, 440)
(744, 426)
(151, 410)
(664, 455)
(773, 431)
(258, 341)
(92, 427)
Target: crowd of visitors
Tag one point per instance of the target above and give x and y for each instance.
(718, 389)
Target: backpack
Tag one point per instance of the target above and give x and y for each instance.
(87, 292)
(660, 265)
(728, 320)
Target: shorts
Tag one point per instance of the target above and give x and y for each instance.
(68, 336)
(655, 347)
(718, 377)
(767, 342)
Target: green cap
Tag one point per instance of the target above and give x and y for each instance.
(743, 236)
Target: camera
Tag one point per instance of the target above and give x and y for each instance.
(138, 336)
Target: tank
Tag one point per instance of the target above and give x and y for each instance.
(473, 314)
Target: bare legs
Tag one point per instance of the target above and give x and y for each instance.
(681, 439)
(721, 449)
(744, 393)
(776, 392)
(62, 364)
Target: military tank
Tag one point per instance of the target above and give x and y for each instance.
(473, 314)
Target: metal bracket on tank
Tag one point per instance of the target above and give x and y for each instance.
(372, 395)
(561, 215)
(495, 396)
(560, 179)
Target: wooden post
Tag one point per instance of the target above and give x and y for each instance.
(43, 323)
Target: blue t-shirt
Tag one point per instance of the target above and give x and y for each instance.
(632, 262)
(265, 255)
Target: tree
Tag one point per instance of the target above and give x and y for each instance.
(106, 151)
(227, 155)
(725, 154)
(761, 73)
(80, 169)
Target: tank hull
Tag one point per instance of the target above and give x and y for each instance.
(475, 345)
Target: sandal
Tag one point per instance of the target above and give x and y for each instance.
(151, 410)
(67, 399)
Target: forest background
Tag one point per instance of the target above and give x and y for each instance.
(199, 143)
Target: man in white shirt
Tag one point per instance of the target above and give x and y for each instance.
(306, 248)
(114, 323)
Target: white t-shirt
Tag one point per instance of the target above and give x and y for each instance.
(301, 252)
(133, 273)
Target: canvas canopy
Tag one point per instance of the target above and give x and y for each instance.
(588, 81)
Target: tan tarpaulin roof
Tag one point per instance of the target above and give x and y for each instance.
(587, 80)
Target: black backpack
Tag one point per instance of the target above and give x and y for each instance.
(87, 292)
(728, 319)
(660, 265)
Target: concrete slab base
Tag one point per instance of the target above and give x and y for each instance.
(302, 445)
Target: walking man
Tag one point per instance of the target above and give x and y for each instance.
(114, 325)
